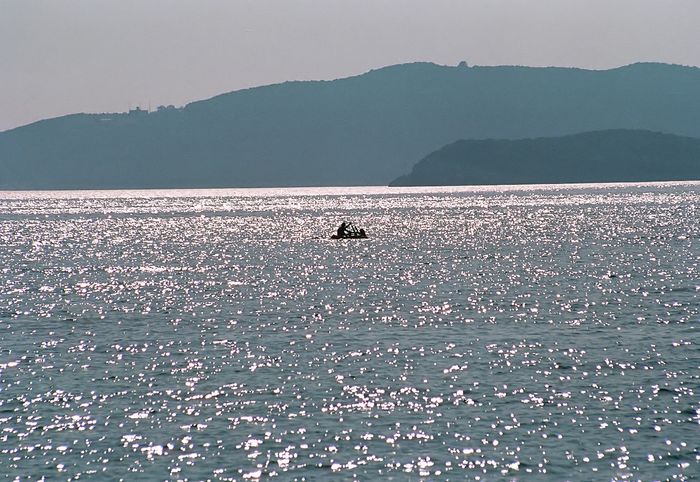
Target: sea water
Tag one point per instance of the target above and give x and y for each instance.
(519, 333)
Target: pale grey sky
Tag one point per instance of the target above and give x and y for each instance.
(65, 56)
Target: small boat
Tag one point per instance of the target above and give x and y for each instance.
(349, 231)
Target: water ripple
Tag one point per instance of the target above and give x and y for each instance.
(545, 332)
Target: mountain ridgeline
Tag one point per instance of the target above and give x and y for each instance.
(601, 156)
(363, 130)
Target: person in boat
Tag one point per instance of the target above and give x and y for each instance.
(342, 230)
(351, 231)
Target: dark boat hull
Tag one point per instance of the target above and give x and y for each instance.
(335, 236)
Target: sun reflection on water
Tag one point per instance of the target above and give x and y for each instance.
(498, 332)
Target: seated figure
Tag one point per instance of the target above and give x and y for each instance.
(349, 231)
(341, 230)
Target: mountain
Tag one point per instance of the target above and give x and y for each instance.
(366, 129)
(601, 156)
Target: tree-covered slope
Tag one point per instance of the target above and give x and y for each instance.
(366, 129)
(601, 156)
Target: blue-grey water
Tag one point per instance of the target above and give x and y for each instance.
(518, 333)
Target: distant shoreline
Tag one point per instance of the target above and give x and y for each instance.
(362, 130)
(618, 155)
(330, 190)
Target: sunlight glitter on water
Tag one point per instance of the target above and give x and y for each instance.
(543, 332)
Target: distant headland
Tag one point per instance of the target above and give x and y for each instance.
(363, 130)
(601, 156)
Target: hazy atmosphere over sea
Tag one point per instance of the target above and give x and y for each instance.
(248, 240)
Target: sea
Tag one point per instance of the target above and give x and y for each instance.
(543, 332)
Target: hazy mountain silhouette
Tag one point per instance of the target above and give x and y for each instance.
(602, 156)
(360, 130)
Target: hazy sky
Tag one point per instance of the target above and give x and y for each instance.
(64, 56)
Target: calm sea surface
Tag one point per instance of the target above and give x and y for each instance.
(526, 333)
